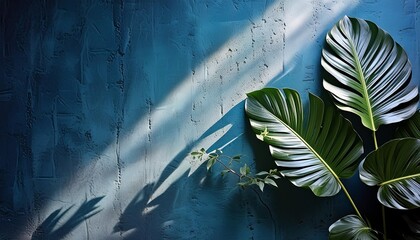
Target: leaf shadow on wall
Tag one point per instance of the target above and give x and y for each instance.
(52, 228)
(137, 219)
(56, 32)
(81, 37)
(148, 210)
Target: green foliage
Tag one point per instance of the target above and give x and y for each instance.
(395, 168)
(351, 227)
(367, 73)
(244, 174)
(370, 73)
(316, 156)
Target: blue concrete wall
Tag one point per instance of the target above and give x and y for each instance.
(101, 102)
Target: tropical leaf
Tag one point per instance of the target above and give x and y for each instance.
(410, 127)
(369, 73)
(395, 168)
(351, 227)
(313, 152)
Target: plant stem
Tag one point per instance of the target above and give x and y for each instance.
(374, 140)
(231, 170)
(350, 199)
(382, 206)
(228, 168)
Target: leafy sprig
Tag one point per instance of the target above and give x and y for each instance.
(244, 173)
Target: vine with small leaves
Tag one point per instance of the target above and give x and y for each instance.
(246, 177)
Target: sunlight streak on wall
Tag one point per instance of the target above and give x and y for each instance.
(248, 61)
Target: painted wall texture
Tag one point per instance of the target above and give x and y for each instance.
(101, 102)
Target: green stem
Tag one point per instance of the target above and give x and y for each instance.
(231, 170)
(227, 168)
(384, 222)
(382, 206)
(350, 199)
(375, 140)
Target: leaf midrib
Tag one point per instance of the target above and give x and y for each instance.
(309, 147)
(363, 82)
(399, 179)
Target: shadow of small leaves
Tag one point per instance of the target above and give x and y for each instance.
(140, 221)
(51, 228)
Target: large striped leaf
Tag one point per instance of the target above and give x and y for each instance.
(351, 227)
(369, 73)
(315, 151)
(395, 168)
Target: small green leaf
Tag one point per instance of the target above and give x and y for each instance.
(262, 173)
(243, 184)
(210, 163)
(236, 157)
(243, 170)
(275, 176)
(270, 181)
(247, 169)
(197, 160)
(263, 134)
(260, 185)
(225, 171)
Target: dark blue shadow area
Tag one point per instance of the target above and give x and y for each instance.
(410, 223)
(54, 228)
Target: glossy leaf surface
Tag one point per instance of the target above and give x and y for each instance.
(369, 73)
(395, 168)
(313, 152)
(351, 227)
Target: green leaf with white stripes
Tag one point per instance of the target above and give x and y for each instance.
(369, 73)
(314, 151)
(395, 168)
(351, 227)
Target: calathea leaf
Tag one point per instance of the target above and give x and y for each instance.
(351, 227)
(395, 168)
(313, 152)
(410, 127)
(369, 73)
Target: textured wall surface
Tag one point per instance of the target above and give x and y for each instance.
(101, 101)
